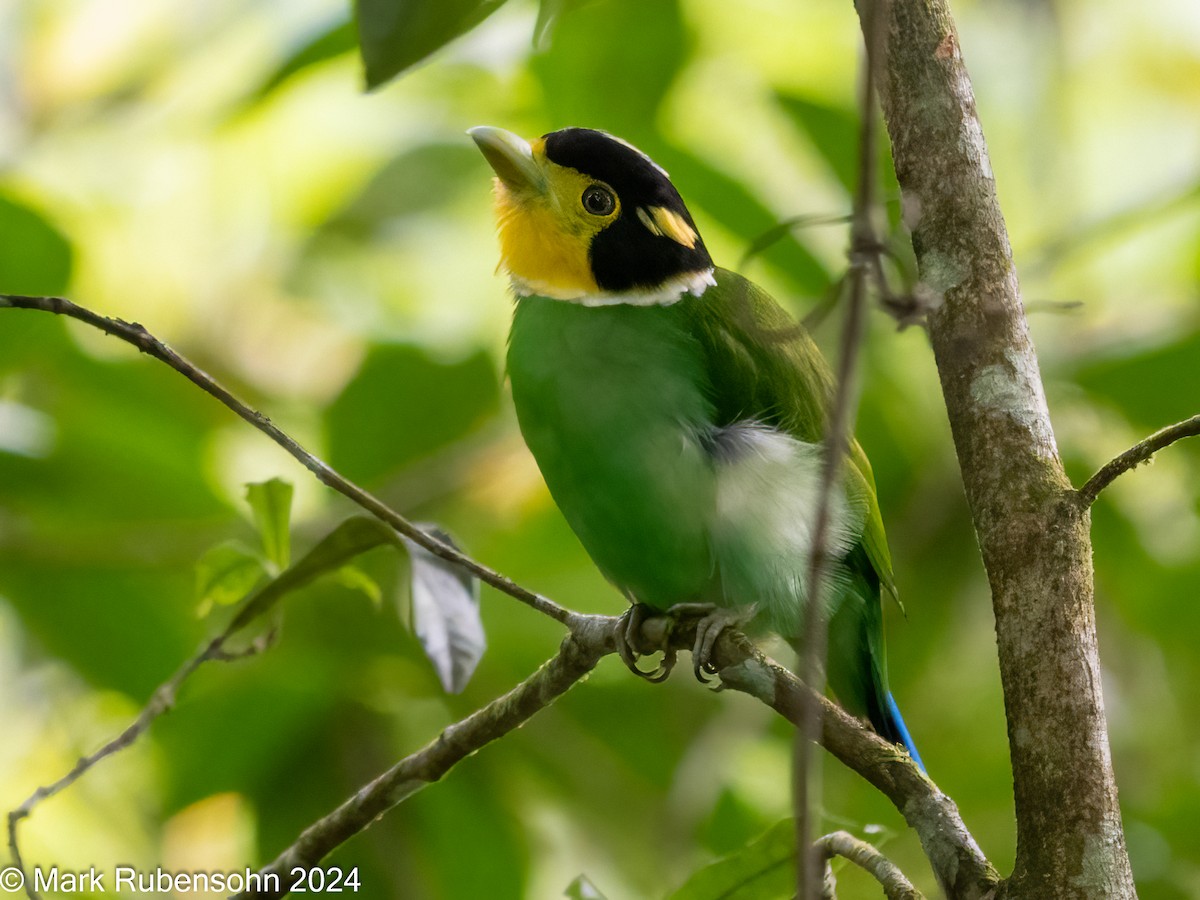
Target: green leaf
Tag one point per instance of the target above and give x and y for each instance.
(583, 889)
(549, 13)
(445, 613)
(226, 573)
(611, 64)
(445, 599)
(354, 578)
(833, 131)
(334, 41)
(35, 257)
(732, 204)
(351, 538)
(404, 405)
(1148, 385)
(420, 180)
(763, 870)
(396, 34)
(271, 502)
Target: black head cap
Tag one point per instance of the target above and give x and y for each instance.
(629, 254)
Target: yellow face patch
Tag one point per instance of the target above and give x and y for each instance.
(545, 234)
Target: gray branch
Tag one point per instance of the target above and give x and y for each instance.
(134, 334)
(841, 843)
(1136, 455)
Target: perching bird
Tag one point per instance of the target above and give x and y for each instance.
(675, 410)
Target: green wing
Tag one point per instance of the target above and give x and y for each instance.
(765, 366)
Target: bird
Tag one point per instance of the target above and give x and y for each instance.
(677, 412)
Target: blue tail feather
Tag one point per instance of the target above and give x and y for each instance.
(896, 725)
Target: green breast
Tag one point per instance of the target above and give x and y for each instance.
(611, 402)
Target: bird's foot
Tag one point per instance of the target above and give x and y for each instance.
(715, 620)
(629, 644)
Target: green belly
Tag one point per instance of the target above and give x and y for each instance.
(611, 402)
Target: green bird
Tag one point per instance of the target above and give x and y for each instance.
(676, 411)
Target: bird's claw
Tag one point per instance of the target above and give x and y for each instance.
(629, 634)
(715, 619)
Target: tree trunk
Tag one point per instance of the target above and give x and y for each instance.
(1031, 525)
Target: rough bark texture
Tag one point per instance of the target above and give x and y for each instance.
(1032, 527)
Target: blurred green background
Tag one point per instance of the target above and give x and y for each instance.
(215, 172)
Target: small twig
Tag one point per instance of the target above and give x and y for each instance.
(776, 232)
(1136, 455)
(161, 701)
(133, 333)
(867, 857)
(865, 250)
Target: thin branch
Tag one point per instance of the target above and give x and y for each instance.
(133, 333)
(867, 857)
(864, 246)
(1136, 455)
(590, 639)
(160, 702)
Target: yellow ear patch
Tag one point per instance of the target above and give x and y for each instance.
(668, 223)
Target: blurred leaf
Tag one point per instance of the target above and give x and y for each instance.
(583, 889)
(35, 257)
(733, 823)
(396, 34)
(403, 405)
(349, 539)
(334, 41)
(834, 132)
(354, 578)
(445, 613)
(226, 573)
(421, 179)
(445, 599)
(611, 63)
(737, 209)
(776, 233)
(763, 870)
(124, 628)
(1153, 387)
(271, 503)
(549, 12)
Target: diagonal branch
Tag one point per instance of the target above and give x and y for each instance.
(133, 333)
(1136, 455)
(895, 885)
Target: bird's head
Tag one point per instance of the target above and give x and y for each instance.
(584, 216)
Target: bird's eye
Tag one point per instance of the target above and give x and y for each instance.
(599, 201)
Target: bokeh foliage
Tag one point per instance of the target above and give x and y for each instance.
(215, 172)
